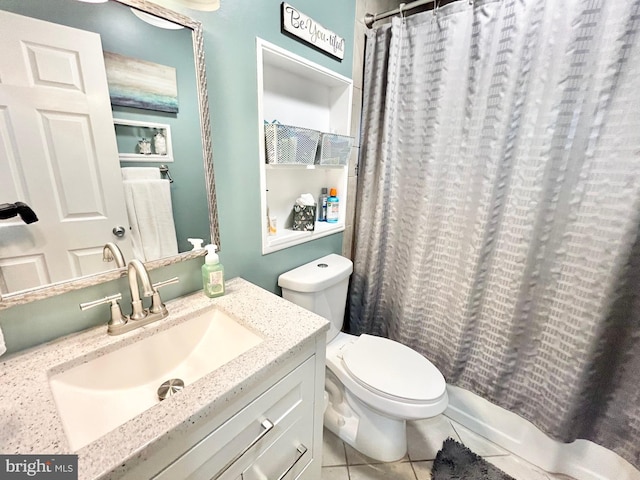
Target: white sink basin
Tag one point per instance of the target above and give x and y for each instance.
(102, 394)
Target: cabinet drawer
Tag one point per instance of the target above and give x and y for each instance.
(286, 457)
(231, 448)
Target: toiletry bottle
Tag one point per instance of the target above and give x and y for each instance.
(273, 225)
(160, 144)
(333, 206)
(212, 273)
(322, 211)
(144, 147)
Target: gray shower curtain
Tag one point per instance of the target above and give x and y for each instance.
(498, 216)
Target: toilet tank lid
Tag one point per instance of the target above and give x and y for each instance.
(317, 275)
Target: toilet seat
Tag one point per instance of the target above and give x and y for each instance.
(392, 370)
(376, 399)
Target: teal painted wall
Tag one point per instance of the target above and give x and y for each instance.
(230, 45)
(230, 35)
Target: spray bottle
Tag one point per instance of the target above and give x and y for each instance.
(212, 273)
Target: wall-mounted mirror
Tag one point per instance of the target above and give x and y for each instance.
(62, 155)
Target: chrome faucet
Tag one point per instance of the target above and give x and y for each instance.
(137, 269)
(139, 315)
(112, 252)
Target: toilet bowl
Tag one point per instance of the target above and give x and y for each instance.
(374, 384)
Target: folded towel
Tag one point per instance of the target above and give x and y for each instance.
(153, 232)
(141, 173)
(3, 347)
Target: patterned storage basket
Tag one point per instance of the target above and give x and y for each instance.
(334, 149)
(290, 145)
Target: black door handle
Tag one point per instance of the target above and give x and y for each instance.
(10, 210)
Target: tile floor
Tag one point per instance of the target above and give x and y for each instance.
(424, 437)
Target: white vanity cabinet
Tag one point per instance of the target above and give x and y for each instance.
(273, 432)
(295, 92)
(262, 437)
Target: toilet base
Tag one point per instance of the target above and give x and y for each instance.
(375, 435)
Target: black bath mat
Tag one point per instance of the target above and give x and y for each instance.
(456, 462)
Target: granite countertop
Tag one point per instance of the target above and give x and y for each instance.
(29, 421)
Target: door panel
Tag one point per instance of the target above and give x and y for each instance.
(55, 118)
(20, 273)
(73, 166)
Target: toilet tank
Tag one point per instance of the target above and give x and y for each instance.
(320, 286)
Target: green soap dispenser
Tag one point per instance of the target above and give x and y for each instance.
(212, 273)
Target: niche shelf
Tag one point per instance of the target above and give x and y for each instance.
(129, 132)
(294, 91)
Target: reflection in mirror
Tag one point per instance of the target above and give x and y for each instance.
(62, 156)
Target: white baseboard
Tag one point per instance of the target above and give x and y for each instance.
(581, 459)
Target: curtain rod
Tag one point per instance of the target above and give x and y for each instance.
(369, 18)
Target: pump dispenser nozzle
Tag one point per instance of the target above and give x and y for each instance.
(196, 242)
(212, 256)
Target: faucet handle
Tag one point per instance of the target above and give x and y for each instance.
(117, 320)
(156, 302)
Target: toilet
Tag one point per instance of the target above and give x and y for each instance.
(373, 384)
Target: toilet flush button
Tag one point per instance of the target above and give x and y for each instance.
(323, 265)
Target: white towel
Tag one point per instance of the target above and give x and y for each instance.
(3, 347)
(153, 232)
(141, 173)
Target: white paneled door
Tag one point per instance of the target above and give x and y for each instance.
(58, 154)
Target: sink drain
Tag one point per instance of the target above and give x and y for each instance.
(170, 387)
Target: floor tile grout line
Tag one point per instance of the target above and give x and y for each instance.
(459, 439)
(415, 474)
(346, 460)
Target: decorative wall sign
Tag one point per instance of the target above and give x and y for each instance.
(141, 84)
(307, 29)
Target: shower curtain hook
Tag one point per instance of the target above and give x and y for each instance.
(402, 14)
(436, 7)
